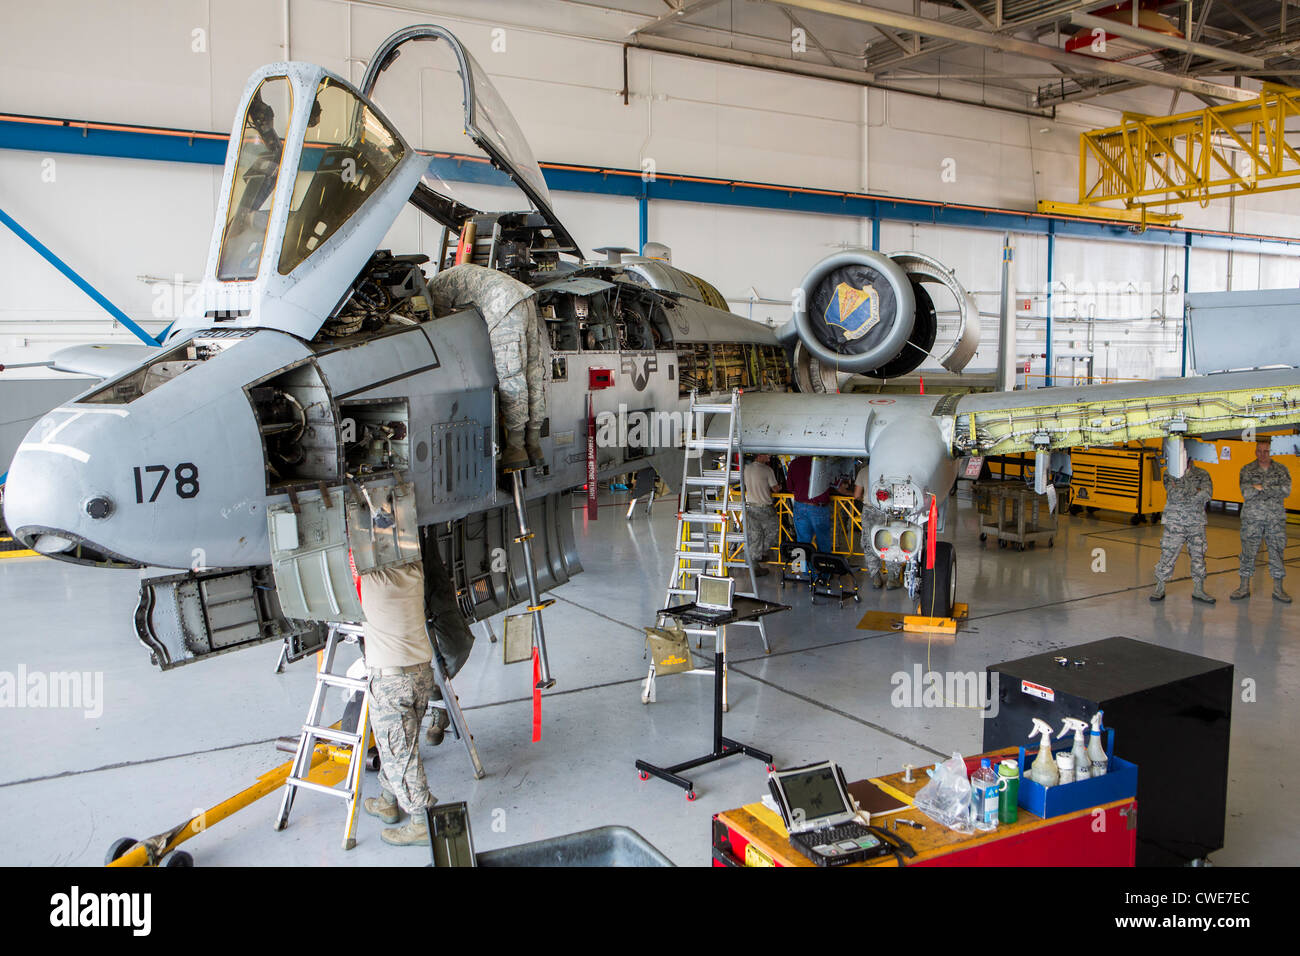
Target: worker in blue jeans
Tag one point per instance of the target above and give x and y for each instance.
(812, 516)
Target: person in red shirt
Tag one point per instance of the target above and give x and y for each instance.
(812, 516)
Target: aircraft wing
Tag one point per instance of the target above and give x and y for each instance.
(1001, 423)
(789, 423)
(101, 361)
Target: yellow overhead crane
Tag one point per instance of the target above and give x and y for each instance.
(1237, 149)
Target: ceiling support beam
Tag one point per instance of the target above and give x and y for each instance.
(1166, 42)
(1013, 45)
(783, 64)
(675, 15)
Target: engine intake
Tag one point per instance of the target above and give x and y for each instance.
(866, 313)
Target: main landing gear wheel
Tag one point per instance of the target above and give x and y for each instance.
(939, 584)
(118, 848)
(180, 858)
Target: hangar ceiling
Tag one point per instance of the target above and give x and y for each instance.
(1018, 53)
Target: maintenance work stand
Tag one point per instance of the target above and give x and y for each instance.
(744, 609)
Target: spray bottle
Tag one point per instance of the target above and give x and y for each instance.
(1082, 764)
(1096, 752)
(1043, 770)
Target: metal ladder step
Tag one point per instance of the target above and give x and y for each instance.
(339, 680)
(703, 517)
(332, 735)
(709, 481)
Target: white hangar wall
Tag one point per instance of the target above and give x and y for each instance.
(129, 225)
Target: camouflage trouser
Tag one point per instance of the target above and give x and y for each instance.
(870, 516)
(871, 560)
(762, 530)
(514, 329)
(517, 354)
(1271, 529)
(397, 706)
(1172, 544)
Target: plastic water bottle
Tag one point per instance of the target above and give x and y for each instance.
(984, 797)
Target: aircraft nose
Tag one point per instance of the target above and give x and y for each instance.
(133, 487)
(57, 498)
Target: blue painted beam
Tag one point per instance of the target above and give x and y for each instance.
(1047, 338)
(1187, 284)
(76, 279)
(643, 222)
(102, 139)
(35, 133)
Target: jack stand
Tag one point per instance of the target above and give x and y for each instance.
(535, 607)
(723, 747)
(649, 505)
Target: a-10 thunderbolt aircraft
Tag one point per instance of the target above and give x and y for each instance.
(238, 464)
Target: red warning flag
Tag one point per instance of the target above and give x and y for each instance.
(537, 696)
(593, 488)
(930, 533)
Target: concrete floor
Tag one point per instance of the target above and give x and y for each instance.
(167, 744)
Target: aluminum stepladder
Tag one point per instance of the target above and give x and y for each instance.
(710, 520)
(335, 739)
(452, 704)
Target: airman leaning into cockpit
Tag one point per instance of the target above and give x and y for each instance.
(510, 309)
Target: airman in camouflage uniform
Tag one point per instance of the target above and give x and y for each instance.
(762, 525)
(399, 665)
(510, 309)
(1264, 488)
(1184, 521)
(870, 516)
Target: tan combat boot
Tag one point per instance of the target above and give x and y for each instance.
(513, 456)
(878, 579)
(414, 833)
(1198, 593)
(894, 580)
(441, 720)
(1243, 591)
(384, 806)
(533, 445)
(1159, 593)
(1278, 593)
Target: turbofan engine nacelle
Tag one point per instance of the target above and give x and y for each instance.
(867, 313)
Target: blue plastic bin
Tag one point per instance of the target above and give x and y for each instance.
(1119, 783)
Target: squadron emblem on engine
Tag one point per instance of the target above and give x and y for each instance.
(855, 311)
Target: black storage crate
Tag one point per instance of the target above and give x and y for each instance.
(1171, 712)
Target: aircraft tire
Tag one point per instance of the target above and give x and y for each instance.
(939, 585)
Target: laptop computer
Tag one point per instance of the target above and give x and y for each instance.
(713, 598)
(820, 817)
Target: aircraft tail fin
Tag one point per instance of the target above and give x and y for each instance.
(1243, 330)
